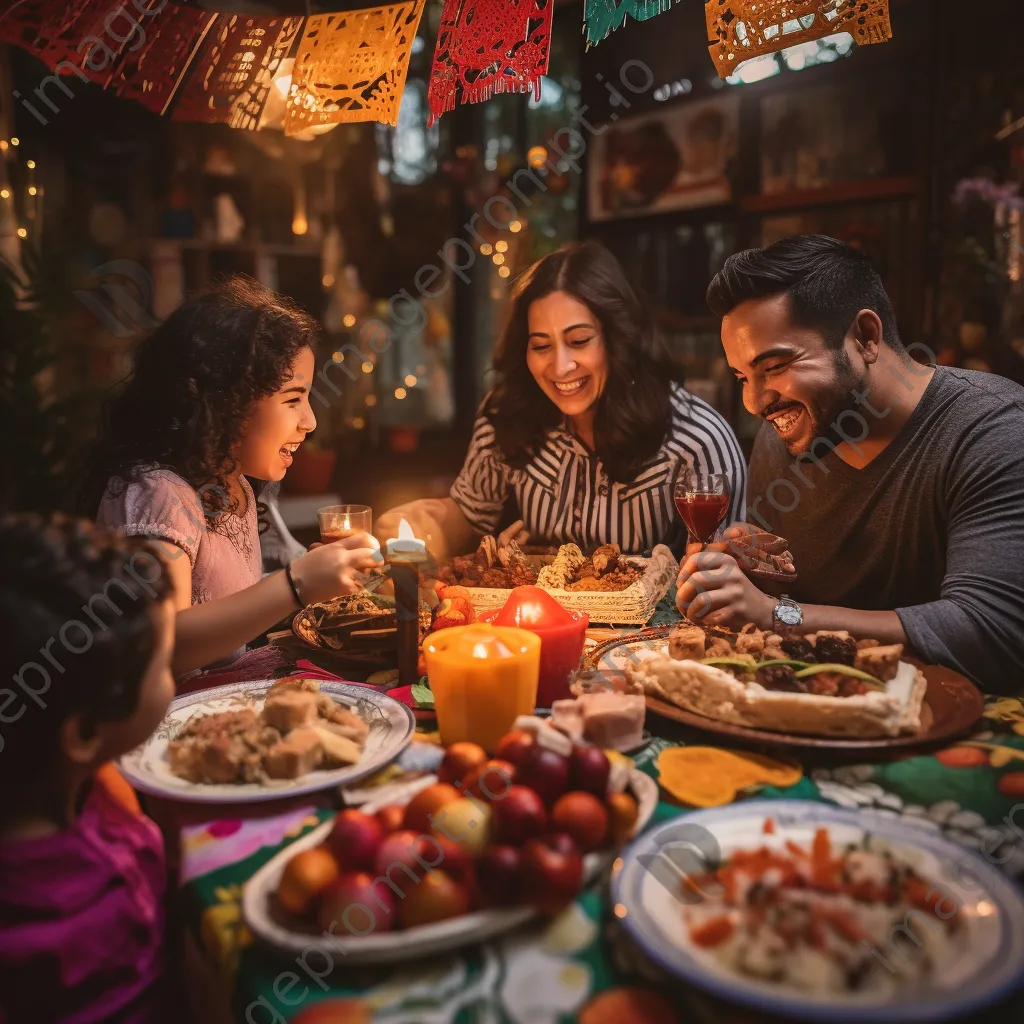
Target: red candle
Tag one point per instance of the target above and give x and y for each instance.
(561, 633)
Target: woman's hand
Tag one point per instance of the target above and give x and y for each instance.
(330, 570)
(751, 547)
(516, 532)
(712, 591)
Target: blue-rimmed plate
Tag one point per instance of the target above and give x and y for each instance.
(391, 729)
(985, 963)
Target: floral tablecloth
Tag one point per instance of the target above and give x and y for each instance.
(579, 966)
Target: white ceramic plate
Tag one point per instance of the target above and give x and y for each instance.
(986, 963)
(391, 728)
(284, 933)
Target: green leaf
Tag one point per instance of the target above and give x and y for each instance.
(423, 695)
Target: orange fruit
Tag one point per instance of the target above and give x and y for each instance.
(962, 757)
(305, 876)
(426, 802)
(623, 812)
(459, 759)
(636, 1005)
(1011, 784)
(582, 816)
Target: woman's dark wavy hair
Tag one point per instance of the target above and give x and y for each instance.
(634, 410)
(83, 596)
(195, 378)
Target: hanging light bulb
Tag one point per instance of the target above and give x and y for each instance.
(282, 89)
(300, 223)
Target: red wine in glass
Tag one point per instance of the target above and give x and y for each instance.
(702, 500)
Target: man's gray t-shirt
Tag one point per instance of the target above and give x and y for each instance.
(932, 528)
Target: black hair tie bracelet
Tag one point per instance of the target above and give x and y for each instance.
(291, 583)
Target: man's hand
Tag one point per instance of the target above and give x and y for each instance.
(752, 548)
(712, 591)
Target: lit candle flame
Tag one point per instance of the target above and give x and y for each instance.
(405, 530)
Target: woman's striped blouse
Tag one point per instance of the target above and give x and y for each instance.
(564, 494)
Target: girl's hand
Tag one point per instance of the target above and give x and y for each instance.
(331, 569)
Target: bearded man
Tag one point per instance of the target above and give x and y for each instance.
(899, 485)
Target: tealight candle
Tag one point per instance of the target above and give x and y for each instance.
(406, 543)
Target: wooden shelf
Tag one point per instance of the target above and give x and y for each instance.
(844, 192)
(209, 245)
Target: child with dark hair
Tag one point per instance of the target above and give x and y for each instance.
(219, 392)
(88, 626)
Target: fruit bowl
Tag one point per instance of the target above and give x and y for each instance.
(295, 935)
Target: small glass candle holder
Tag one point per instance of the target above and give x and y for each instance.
(340, 521)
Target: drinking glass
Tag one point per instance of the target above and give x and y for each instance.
(340, 521)
(702, 500)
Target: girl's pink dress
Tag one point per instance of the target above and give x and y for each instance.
(161, 505)
(82, 918)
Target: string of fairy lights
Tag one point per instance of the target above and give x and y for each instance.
(32, 206)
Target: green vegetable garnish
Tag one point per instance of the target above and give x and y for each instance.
(783, 661)
(423, 695)
(729, 663)
(843, 670)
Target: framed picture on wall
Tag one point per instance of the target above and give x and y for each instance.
(673, 160)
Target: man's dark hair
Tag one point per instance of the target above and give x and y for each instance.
(828, 283)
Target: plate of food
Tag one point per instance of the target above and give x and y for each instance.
(265, 740)
(606, 583)
(360, 630)
(439, 869)
(811, 912)
(826, 689)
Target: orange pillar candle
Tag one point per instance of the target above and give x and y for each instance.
(482, 678)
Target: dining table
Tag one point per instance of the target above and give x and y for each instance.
(580, 965)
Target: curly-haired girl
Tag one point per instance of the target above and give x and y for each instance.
(88, 629)
(220, 391)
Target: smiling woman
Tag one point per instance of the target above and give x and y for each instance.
(589, 425)
(220, 391)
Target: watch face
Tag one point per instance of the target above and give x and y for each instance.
(789, 615)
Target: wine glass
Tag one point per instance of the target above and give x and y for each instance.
(702, 500)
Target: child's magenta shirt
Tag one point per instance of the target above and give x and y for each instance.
(82, 916)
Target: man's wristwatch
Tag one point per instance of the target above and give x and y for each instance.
(787, 615)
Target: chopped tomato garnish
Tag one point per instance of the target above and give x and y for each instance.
(844, 924)
(823, 869)
(769, 826)
(711, 933)
(797, 851)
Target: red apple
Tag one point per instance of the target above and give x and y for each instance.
(519, 816)
(499, 875)
(515, 745)
(453, 858)
(552, 872)
(355, 839)
(545, 772)
(353, 905)
(490, 781)
(459, 759)
(590, 768)
(405, 849)
(436, 898)
(582, 816)
(390, 817)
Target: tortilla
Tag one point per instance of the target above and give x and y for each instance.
(716, 694)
